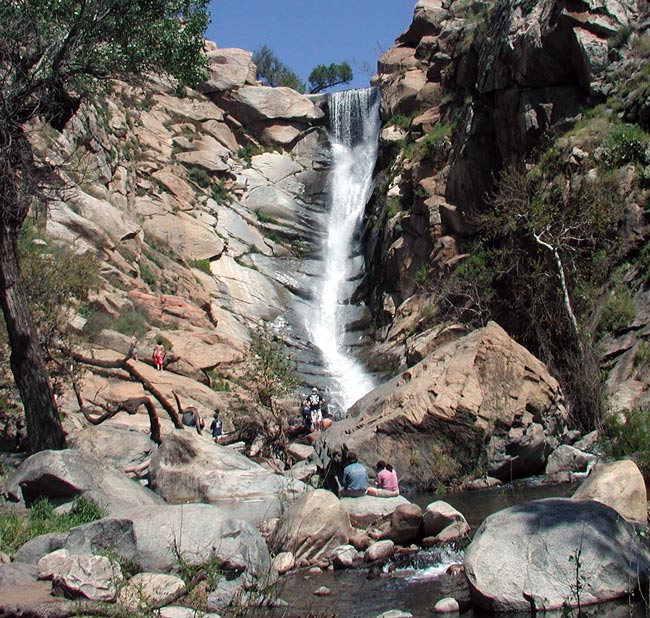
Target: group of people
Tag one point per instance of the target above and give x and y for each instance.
(158, 355)
(191, 418)
(354, 479)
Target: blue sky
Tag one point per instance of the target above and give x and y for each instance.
(305, 33)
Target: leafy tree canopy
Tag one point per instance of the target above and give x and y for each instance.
(272, 72)
(323, 77)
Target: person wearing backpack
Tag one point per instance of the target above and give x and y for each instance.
(315, 402)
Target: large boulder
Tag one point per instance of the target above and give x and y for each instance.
(192, 468)
(481, 393)
(264, 103)
(157, 538)
(371, 510)
(313, 526)
(619, 485)
(62, 475)
(530, 556)
(228, 68)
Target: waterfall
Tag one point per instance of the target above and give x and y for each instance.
(354, 131)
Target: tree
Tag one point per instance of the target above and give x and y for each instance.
(271, 374)
(272, 72)
(323, 77)
(52, 54)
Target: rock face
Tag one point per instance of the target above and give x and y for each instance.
(313, 526)
(480, 393)
(527, 556)
(191, 468)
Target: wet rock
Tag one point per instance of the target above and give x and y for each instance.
(89, 577)
(446, 606)
(284, 561)
(567, 458)
(381, 550)
(405, 524)
(438, 515)
(345, 557)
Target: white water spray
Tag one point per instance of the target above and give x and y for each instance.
(354, 130)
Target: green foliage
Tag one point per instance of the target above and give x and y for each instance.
(199, 176)
(16, 528)
(272, 72)
(219, 193)
(129, 322)
(262, 217)
(148, 276)
(628, 435)
(270, 372)
(433, 146)
(617, 312)
(202, 265)
(323, 76)
(57, 281)
(421, 274)
(400, 121)
(625, 144)
(75, 43)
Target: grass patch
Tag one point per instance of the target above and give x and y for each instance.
(18, 528)
(202, 265)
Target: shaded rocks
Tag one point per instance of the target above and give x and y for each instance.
(567, 458)
(525, 557)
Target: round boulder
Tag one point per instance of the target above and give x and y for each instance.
(312, 527)
(619, 485)
(530, 555)
(405, 524)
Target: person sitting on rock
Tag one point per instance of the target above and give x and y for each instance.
(387, 486)
(354, 480)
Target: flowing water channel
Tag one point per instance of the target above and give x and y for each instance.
(354, 132)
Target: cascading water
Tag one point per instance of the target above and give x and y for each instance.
(354, 131)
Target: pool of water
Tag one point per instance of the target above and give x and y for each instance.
(415, 582)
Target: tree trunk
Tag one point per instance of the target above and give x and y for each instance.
(44, 428)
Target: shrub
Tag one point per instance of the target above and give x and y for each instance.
(199, 176)
(202, 265)
(617, 312)
(625, 144)
(629, 436)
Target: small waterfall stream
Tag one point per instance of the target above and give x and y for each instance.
(354, 131)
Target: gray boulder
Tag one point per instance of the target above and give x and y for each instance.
(567, 458)
(192, 468)
(313, 526)
(530, 556)
(62, 475)
(370, 510)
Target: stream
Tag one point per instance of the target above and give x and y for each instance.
(414, 583)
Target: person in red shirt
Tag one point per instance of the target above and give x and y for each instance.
(387, 486)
